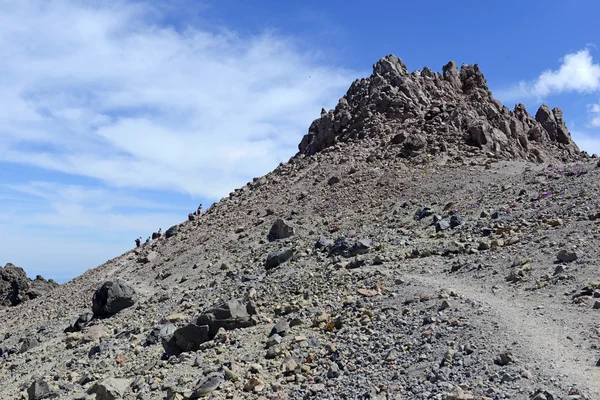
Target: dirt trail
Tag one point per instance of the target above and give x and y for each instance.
(546, 329)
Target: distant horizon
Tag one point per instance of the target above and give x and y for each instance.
(118, 119)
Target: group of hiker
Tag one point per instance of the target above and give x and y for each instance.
(155, 235)
(197, 213)
(158, 235)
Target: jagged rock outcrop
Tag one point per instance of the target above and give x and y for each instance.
(16, 287)
(425, 112)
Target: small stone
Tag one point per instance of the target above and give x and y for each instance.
(254, 385)
(176, 318)
(504, 358)
(566, 255)
(484, 245)
(209, 384)
(442, 225)
(334, 371)
(289, 365)
(38, 390)
(333, 180)
(367, 292)
(274, 340)
(281, 328)
(445, 305)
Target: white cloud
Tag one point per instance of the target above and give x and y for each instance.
(594, 114)
(577, 73)
(105, 91)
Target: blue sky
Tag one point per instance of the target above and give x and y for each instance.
(117, 118)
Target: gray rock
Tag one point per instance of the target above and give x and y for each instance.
(160, 333)
(38, 390)
(334, 371)
(172, 231)
(151, 256)
(566, 255)
(361, 246)
(281, 328)
(81, 322)
(230, 315)
(442, 225)
(342, 247)
(278, 257)
(188, 338)
(455, 221)
(333, 180)
(110, 388)
(112, 297)
(28, 343)
(323, 243)
(209, 384)
(280, 230)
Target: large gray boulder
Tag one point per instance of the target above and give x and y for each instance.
(112, 297)
(280, 230)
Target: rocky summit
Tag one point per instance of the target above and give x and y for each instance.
(425, 243)
(425, 113)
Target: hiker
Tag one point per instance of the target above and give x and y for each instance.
(191, 217)
(148, 240)
(199, 211)
(159, 233)
(138, 242)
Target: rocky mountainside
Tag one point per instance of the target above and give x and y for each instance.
(16, 287)
(415, 248)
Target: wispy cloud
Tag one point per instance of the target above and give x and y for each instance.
(140, 114)
(107, 92)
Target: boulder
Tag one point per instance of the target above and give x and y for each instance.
(278, 257)
(172, 231)
(112, 297)
(188, 338)
(233, 314)
(566, 256)
(38, 390)
(280, 230)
